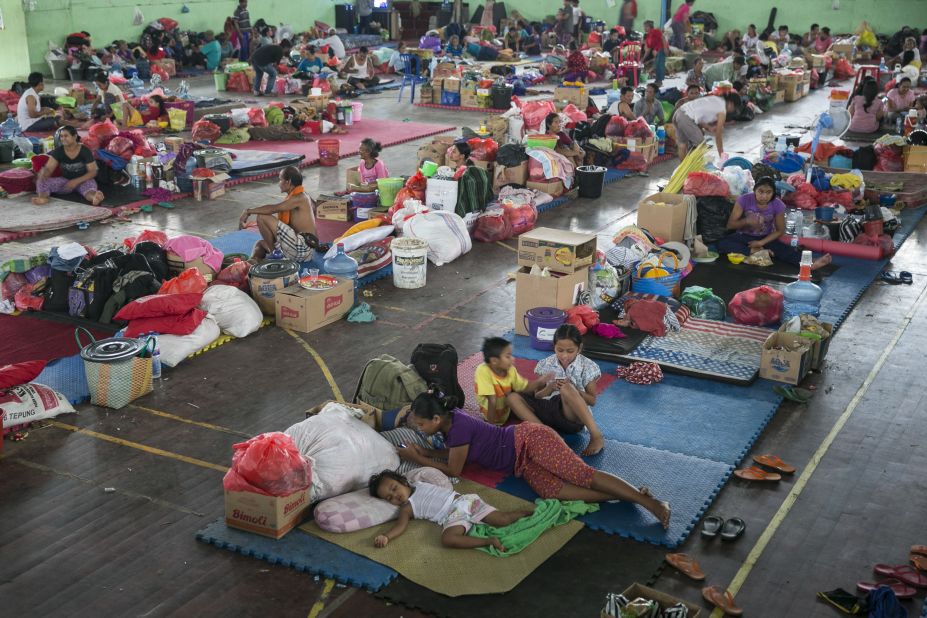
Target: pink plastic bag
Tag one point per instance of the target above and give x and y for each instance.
(256, 117)
(534, 113)
(492, 226)
(521, 217)
(483, 149)
(205, 131)
(235, 275)
(704, 184)
(616, 127)
(268, 464)
(190, 281)
(757, 306)
(121, 147)
(639, 129)
(583, 317)
(574, 114)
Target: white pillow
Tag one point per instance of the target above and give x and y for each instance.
(236, 313)
(345, 452)
(175, 348)
(358, 240)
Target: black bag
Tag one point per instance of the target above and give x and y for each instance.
(56, 292)
(91, 289)
(437, 364)
(598, 127)
(155, 256)
(865, 158)
(713, 213)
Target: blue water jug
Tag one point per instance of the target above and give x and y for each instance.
(9, 128)
(342, 265)
(802, 296)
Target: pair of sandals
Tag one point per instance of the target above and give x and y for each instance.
(760, 472)
(728, 529)
(904, 579)
(716, 595)
(893, 279)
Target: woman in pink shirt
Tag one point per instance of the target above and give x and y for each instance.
(680, 24)
(866, 109)
(371, 167)
(823, 42)
(900, 99)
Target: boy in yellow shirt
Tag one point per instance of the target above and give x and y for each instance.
(497, 377)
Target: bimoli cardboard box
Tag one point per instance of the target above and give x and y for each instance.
(639, 591)
(552, 187)
(664, 215)
(915, 159)
(333, 208)
(577, 96)
(176, 265)
(819, 347)
(559, 290)
(786, 358)
(508, 175)
(559, 250)
(271, 516)
(451, 84)
(468, 98)
(352, 178)
(308, 310)
(209, 188)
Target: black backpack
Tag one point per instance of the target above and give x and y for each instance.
(864, 158)
(155, 258)
(437, 364)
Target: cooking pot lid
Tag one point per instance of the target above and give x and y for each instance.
(111, 349)
(273, 269)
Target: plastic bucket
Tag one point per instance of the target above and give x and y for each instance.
(388, 188)
(358, 109)
(221, 79)
(841, 162)
(590, 179)
(541, 141)
(429, 168)
(329, 152)
(410, 263)
(541, 323)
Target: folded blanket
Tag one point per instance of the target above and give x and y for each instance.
(518, 535)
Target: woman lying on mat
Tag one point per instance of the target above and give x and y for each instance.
(758, 219)
(564, 402)
(528, 450)
(455, 513)
(78, 170)
(371, 167)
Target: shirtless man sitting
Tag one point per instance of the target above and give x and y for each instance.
(293, 218)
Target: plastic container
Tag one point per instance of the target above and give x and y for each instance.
(342, 265)
(612, 97)
(267, 278)
(58, 68)
(802, 296)
(329, 152)
(221, 79)
(501, 96)
(388, 188)
(661, 141)
(429, 168)
(541, 323)
(7, 150)
(410, 262)
(824, 213)
(358, 110)
(841, 162)
(590, 179)
(541, 141)
(10, 128)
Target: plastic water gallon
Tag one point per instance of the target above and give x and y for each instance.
(342, 265)
(802, 296)
(9, 128)
(661, 140)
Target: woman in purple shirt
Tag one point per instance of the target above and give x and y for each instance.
(758, 219)
(529, 450)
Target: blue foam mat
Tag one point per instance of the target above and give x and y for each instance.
(301, 551)
(66, 375)
(689, 484)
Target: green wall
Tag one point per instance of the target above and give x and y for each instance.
(14, 61)
(107, 20)
(885, 15)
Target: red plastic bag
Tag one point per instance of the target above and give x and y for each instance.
(256, 117)
(268, 464)
(406, 193)
(12, 284)
(635, 161)
(521, 217)
(157, 69)
(843, 198)
(121, 147)
(154, 236)
(103, 132)
(417, 182)
(805, 196)
(843, 69)
(703, 184)
(20, 373)
(616, 127)
(483, 149)
(168, 23)
(493, 225)
(638, 129)
(583, 317)
(235, 275)
(757, 306)
(574, 114)
(534, 113)
(25, 301)
(324, 84)
(888, 159)
(238, 82)
(189, 281)
(205, 131)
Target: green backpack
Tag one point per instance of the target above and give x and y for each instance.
(387, 383)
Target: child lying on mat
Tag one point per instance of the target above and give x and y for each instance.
(455, 513)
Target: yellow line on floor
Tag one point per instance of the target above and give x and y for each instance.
(509, 247)
(141, 447)
(442, 317)
(181, 419)
(321, 363)
(319, 605)
(760, 546)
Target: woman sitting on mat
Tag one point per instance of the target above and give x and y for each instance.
(577, 67)
(866, 108)
(566, 145)
(78, 170)
(360, 70)
(454, 512)
(371, 167)
(564, 403)
(758, 220)
(528, 450)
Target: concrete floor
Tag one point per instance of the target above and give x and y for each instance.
(69, 548)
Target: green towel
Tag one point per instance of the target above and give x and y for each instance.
(362, 314)
(518, 535)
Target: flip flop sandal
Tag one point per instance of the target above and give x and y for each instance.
(919, 562)
(906, 277)
(771, 461)
(757, 474)
(733, 529)
(920, 550)
(147, 208)
(166, 205)
(711, 526)
(904, 573)
(889, 278)
(687, 565)
(798, 395)
(901, 590)
(722, 599)
(845, 601)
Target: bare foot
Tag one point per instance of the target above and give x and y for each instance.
(97, 198)
(497, 544)
(39, 200)
(661, 510)
(822, 261)
(595, 446)
(645, 491)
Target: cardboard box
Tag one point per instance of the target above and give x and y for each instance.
(265, 515)
(209, 188)
(779, 97)
(559, 291)
(486, 165)
(577, 96)
(443, 70)
(175, 266)
(319, 102)
(507, 175)
(352, 177)
(793, 91)
(915, 159)
(819, 348)
(451, 84)
(842, 49)
(818, 61)
(333, 208)
(806, 79)
(468, 98)
(664, 215)
(559, 250)
(553, 187)
(635, 591)
(308, 310)
(791, 363)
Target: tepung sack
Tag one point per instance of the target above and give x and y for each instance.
(387, 383)
(437, 364)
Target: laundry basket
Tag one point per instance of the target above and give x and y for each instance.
(329, 152)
